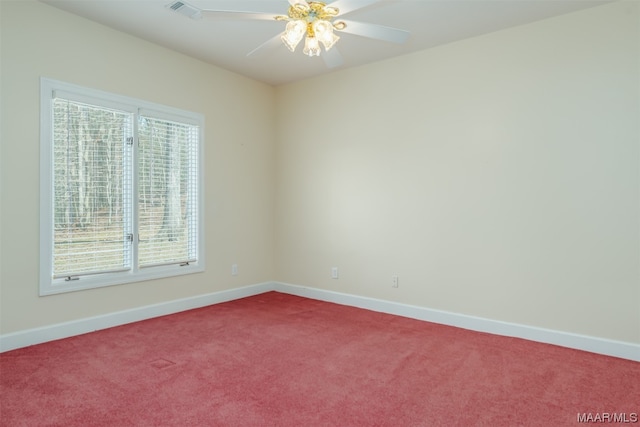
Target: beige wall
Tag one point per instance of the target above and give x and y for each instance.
(497, 176)
(38, 40)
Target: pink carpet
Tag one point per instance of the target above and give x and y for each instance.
(280, 360)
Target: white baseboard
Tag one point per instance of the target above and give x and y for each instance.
(43, 334)
(82, 326)
(624, 350)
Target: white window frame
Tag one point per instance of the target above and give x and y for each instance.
(49, 285)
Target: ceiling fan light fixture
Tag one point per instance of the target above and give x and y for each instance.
(331, 11)
(324, 32)
(299, 10)
(329, 41)
(311, 47)
(339, 25)
(315, 19)
(294, 32)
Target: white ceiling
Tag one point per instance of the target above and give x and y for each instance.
(225, 42)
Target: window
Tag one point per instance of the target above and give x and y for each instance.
(120, 188)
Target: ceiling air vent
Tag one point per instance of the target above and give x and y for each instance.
(185, 9)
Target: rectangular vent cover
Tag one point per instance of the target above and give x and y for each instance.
(185, 9)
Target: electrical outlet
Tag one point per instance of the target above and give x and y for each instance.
(334, 272)
(394, 281)
(234, 270)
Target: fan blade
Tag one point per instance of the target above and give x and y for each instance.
(348, 6)
(294, 2)
(270, 44)
(374, 31)
(332, 58)
(236, 14)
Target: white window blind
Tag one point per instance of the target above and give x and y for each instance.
(167, 192)
(121, 189)
(91, 200)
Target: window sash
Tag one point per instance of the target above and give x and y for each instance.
(91, 197)
(167, 192)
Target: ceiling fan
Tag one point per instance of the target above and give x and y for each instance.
(314, 21)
